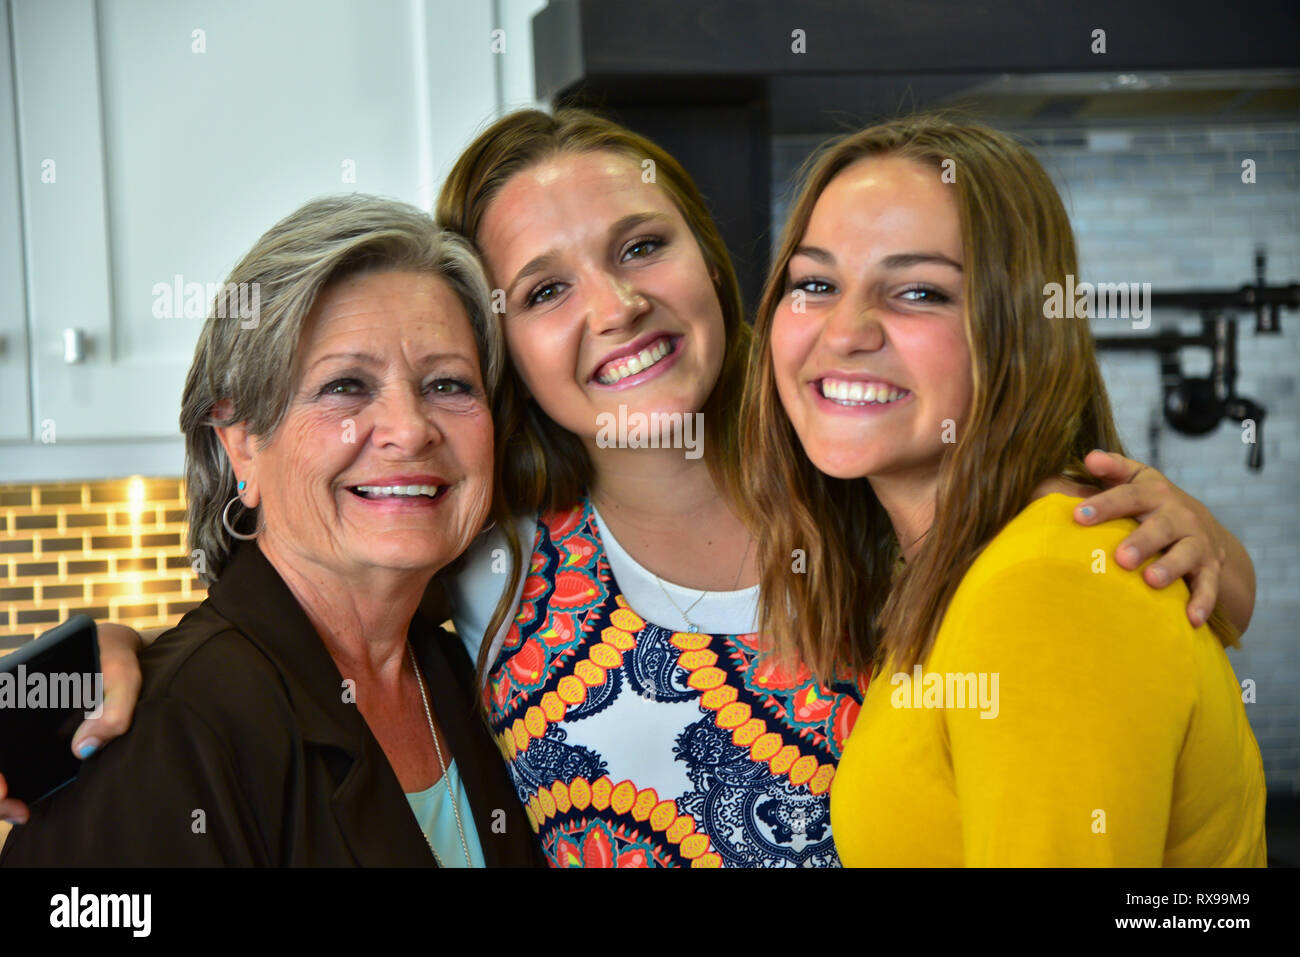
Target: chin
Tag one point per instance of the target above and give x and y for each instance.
(655, 405)
(840, 470)
(850, 463)
(405, 557)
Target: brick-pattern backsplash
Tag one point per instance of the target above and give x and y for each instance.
(1165, 204)
(114, 550)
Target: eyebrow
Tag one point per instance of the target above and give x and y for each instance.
(365, 358)
(894, 261)
(542, 263)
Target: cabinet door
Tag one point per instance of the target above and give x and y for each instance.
(180, 132)
(15, 410)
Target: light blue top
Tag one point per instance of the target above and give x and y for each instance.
(433, 811)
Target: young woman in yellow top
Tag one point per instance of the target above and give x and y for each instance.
(1031, 702)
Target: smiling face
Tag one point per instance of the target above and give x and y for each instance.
(868, 348)
(384, 458)
(609, 300)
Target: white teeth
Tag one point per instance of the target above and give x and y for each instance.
(855, 393)
(637, 363)
(404, 491)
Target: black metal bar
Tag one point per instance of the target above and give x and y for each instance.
(1245, 298)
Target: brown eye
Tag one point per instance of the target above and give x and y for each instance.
(646, 246)
(543, 293)
(815, 287)
(925, 294)
(343, 387)
(450, 387)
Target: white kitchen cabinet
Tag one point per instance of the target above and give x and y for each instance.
(158, 139)
(15, 407)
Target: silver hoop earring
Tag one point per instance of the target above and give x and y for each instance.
(225, 523)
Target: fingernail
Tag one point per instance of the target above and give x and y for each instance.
(1198, 617)
(16, 821)
(1128, 553)
(1086, 511)
(1159, 575)
(87, 748)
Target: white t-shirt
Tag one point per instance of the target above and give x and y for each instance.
(476, 588)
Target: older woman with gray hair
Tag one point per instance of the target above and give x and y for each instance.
(340, 452)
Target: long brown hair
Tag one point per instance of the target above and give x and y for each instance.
(854, 605)
(544, 466)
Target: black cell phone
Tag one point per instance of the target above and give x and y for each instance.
(47, 688)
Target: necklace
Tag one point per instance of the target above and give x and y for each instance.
(455, 806)
(694, 628)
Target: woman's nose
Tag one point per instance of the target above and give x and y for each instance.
(614, 304)
(403, 421)
(853, 328)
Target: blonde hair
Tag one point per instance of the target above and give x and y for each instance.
(854, 605)
(252, 364)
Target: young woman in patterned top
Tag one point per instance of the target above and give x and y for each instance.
(624, 679)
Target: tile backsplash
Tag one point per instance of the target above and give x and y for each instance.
(114, 550)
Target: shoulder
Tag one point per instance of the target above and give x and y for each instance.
(1044, 550)
(1049, 587)
(202, 646)
(207, 669)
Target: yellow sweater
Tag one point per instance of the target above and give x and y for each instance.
(1065, 716)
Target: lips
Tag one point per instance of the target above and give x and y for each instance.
(844, 390)
(401, 488)
(637, 357)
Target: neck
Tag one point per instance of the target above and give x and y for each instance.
(362, 619)
(669, 514)
(653, 484)
(910, 501)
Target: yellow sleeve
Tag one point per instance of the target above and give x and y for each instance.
(1074, 765)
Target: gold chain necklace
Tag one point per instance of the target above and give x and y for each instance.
(451, 792)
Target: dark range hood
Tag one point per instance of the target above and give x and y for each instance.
(714, 81)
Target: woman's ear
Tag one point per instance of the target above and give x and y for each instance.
(238, 443)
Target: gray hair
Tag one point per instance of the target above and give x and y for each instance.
(253, 364)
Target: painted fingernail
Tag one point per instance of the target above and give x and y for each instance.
(1086, 511)
(16, 821)
(87, 748)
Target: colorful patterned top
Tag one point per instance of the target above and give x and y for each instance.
(633, 745)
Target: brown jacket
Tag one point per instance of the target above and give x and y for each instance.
(242, 751)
